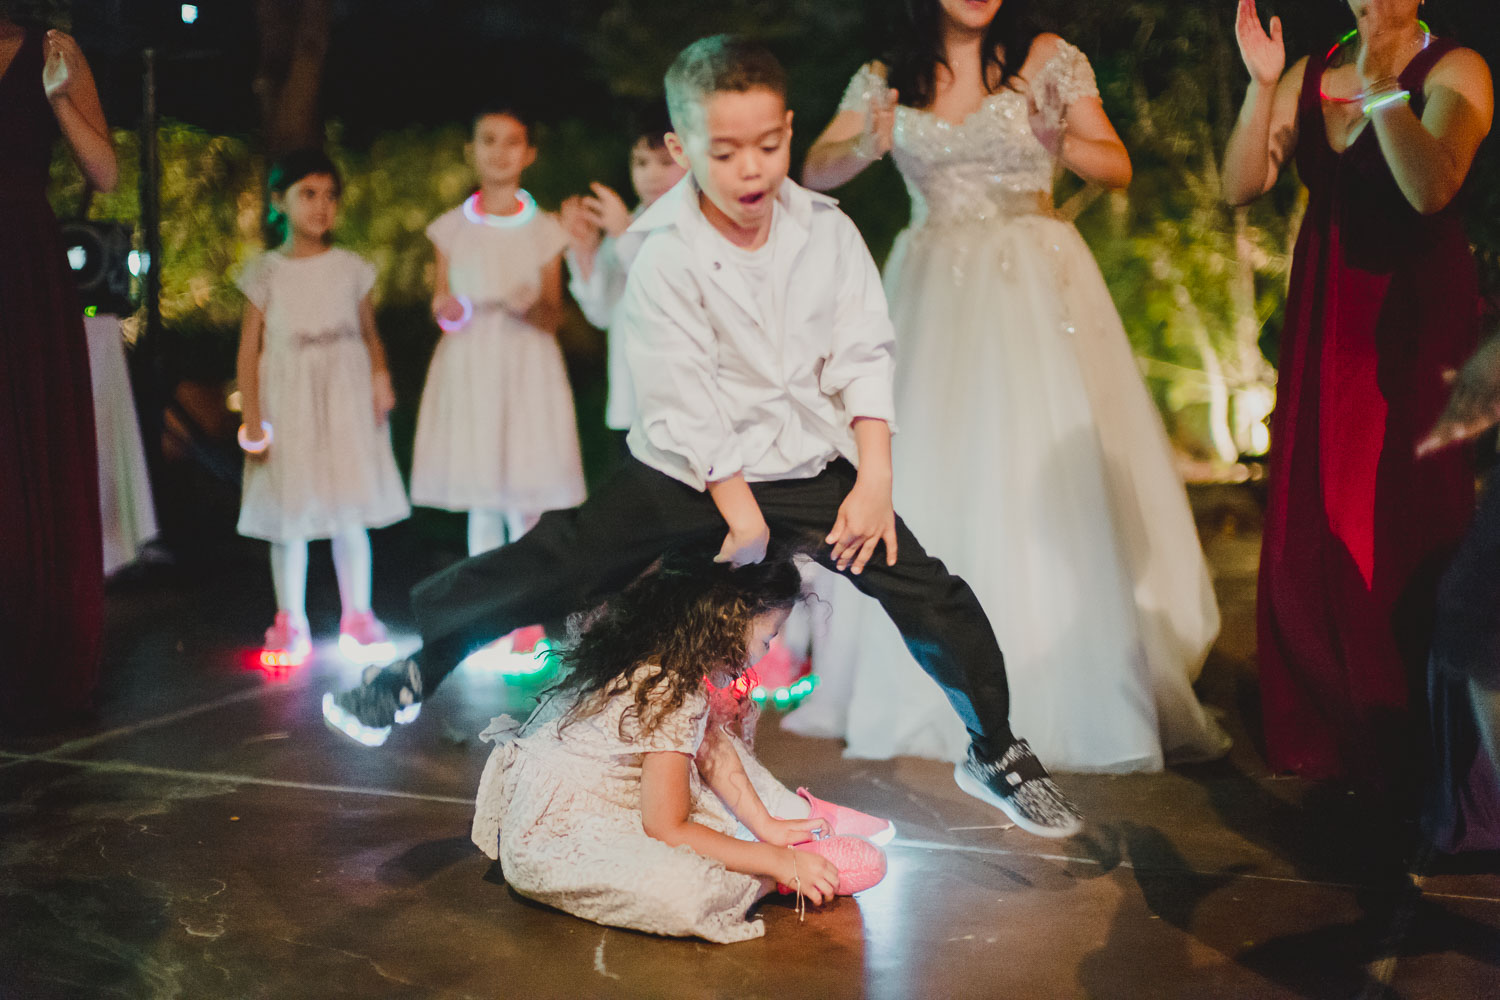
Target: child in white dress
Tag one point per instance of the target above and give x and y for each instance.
(496, 435)
(626, 799)
(315, 394)
(599, 256)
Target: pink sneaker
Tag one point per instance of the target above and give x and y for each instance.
(860, 863)
(363, 627)
(524, 640)
(287, 642)
(779, 668)
(850, 822)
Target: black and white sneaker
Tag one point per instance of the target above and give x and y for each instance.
(1018, 785)
(388, 695)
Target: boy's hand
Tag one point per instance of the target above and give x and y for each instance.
(583, 232)
(745, 544)
(865, 519)
(384, 397)
(607, 210)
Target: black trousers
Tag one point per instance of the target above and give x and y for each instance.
(574, 559)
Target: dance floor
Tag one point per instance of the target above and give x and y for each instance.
(208, 837)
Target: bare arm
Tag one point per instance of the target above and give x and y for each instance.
(1266, 132)
(247, 369)
(720, 765)
(1082, 138)
(547, 311)
(380, 375)
(1430, 156)
(748, 532)
(666, 804)
(70, 89)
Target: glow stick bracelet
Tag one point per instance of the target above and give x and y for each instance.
(255, 447)
(454, 325)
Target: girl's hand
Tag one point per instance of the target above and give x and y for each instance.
(880, 125)
(786, 832)
(62, 64)
(384, 397)
(1264, 54)
(815, 875)
(865, 519)
(745, 544)
(607, 210)
(583, 232)
(447, 307)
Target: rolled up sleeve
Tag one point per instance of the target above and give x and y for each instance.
(861, 369)
(683, 428)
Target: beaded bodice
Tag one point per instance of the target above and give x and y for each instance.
(991, 164)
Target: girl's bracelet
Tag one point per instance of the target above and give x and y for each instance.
(1378, 101)
(260, 444)
(454, 325)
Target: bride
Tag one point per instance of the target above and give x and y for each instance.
(1030, 457)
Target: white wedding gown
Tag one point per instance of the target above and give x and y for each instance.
(1032, 461)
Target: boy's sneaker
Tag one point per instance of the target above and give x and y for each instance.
(1018, 785)
(850, 822)
(388, 695)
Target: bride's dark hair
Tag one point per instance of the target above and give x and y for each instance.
(915, 47)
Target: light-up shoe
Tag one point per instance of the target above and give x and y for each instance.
(850, 822)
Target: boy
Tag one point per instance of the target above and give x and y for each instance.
(760, 350)
(600, 253)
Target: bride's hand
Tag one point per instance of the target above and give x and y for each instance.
(880, 125)
(1049, 122)
(1264, 54)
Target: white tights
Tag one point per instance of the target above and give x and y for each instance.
(489, 529)
(351, 564)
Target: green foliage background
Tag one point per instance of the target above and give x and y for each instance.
(1187, 273)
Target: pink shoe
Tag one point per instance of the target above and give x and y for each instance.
(524, 640)
(287, 642)
(860, 863)
(779, 668)
(850, 822)
(363, 627)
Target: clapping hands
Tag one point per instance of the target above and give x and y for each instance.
(1264, 53)
(62, 64)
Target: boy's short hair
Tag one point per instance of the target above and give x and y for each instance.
(716, 65)
(652, 125)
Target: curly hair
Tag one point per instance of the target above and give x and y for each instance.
(688, 615)
(916, 47)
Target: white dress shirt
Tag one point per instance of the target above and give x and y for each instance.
(598, 296)
(731, 381)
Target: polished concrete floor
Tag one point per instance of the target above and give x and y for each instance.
(206, 837)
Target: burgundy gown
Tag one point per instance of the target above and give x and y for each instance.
(51, 562)
(1382, 301)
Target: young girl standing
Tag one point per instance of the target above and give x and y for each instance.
(315, 393)
(590, 804)
(496, 434)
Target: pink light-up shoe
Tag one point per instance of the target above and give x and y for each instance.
(850, 822)
(524, 640)
(860, 863)
(287, 642)
(363, 639)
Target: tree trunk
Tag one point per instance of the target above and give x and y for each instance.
(289, 76)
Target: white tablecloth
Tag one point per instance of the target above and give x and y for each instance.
(124, 488)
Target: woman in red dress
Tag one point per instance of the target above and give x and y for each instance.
(1384, 298)
(51, 566)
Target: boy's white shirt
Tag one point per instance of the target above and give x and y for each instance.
(721, 388)
(598, 297)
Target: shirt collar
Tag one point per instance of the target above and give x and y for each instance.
(680, 207)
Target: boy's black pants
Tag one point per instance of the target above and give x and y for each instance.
(576, 558)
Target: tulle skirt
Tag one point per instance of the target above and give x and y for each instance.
(1031, 459)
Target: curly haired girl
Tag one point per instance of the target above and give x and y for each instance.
(626, 800)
